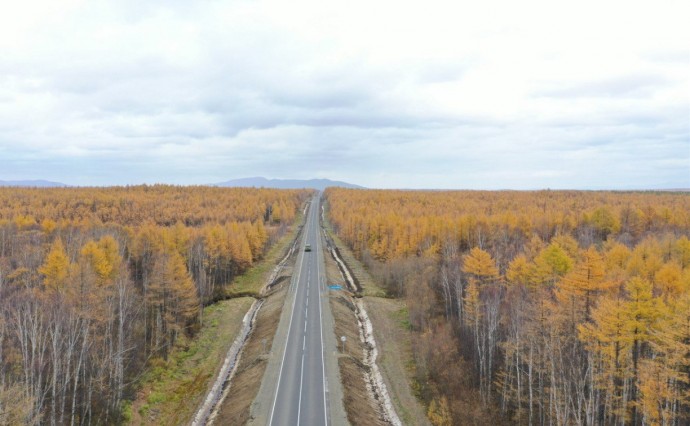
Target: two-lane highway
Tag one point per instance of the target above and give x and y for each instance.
(301, 395)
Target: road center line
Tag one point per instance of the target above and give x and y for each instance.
(280, 373)
(301, 379)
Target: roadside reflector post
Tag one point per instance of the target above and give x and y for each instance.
(343, 339)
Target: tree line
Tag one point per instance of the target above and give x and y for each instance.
(98, 283)
(548, 307)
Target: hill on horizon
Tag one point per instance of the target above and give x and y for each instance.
(37, 183)
(262, 182)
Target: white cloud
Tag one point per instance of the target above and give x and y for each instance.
(491, 94)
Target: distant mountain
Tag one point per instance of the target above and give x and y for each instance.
(32, 183)
(262, 182)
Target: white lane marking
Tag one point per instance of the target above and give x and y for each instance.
(323, 365)
(301, 379)
(280, 373)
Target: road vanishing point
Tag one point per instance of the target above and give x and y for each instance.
(305, 361)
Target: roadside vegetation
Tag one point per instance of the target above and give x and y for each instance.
(100, 287)
(549, 307)
(171, 391)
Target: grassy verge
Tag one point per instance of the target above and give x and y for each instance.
(171, 391)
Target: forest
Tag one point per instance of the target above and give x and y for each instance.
(543, 307)
(97, 283)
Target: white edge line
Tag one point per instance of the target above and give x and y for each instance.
(323, 365)
(280, 373)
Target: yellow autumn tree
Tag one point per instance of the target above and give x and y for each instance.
(668, 279)
(551, 264)
(172, 300)
(439, 413)
(55, 269)
(643, 312)
(681, 251)
(103, 257)
(48, 226)
(519, 271)
(586, 280)
(480, 265)
(606, 337)
(663, 379)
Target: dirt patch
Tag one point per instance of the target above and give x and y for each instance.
(235, 409)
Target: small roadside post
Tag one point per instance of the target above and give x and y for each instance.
(343, 339)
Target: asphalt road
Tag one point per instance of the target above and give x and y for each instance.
(301, 389)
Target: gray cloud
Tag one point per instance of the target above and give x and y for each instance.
(180, 92)
(624, 86)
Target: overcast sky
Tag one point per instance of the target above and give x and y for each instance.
(427, 94)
